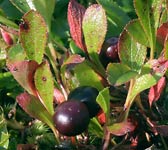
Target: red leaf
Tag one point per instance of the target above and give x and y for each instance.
(75, 17)
(58, 96)
(33, 106)
(162, 32)
(23, 72)
(121, 128)
(7, 37)
(101, 117)
(156, 90)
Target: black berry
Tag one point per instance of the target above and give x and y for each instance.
(87, 95)
(71, 118)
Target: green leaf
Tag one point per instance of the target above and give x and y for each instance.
(46, 9)
(4, 136)
(118, 74)
(103, 99)
(15, 53)
(94, 28)
(166, 48)
(145, 80)
(95, 128)
(85, 75)
(131, 53)
(7, 81)
(148, 12)
(33, 35)
(136, 31)
(116, 15)
(45, 85)
(21, 5)
(7, 22)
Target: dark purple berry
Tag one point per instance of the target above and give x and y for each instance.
(87, 95)
(109, 51)
(71, 118)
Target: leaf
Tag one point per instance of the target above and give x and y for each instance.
(15, 53)
(7, 22)
(148, 12)
(156, 90)
(32, 106)
(162, 33)
(46, 9)
(75, 17)
(121, 128)
(58, 96)
(23, 72)
(95, 128)
(131, 53)
(146, 79)
(4, 136)
(7, 81)
(85, 75)
(7, 37)
(73, 59)
(118, 74)
(103, 99)
(136, 31)
(33, 35)
(21, 5)
(113, 12)
(165, 49)
(45, 86)
(75, 50)
(94, 27)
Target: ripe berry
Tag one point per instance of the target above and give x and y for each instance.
(71, 118)
(109, 52)
(87, 95)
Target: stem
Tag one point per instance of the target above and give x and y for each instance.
(152, 52)
(129, 100)
(55, 134)
(56, 71)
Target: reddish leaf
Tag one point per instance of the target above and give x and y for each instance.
(121, 128)
(58, 96)
(162, 32)
(7, 37)
(162, 129)
(73, 59)
(75, 17)
(101, 117)
(156, 90)
(32, 106)
(23, 72)
(26, 147)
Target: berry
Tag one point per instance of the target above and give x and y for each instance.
(71, 118)
(109, 52)
(86, 95)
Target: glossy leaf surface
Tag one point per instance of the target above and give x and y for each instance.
(131, 52)
(87, 76)
(118, 74)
